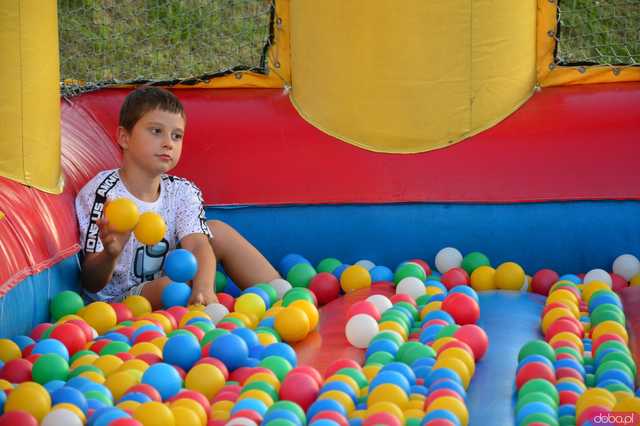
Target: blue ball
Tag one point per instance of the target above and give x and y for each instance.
(281, 414)
(570, 277)
(382, 345)
(22, 341)
(180, 265)
(380, 273)
(403, 369)
(109, 415)
(323, 422)
(248, 335)
(72, 396)
(92, 386)
(356, 422)
(231, 350)
(325, 405)
(118, 337)
(3, 399)
(429, 334)
(392, 377)
(604, 299)
(78, 382)
(535, 358)
(54, 385)
(465, 289)
(260, 292)
(256, 352)
(182, 350)
(142, 329)
(532, 408)
(136, 396)
(438, 297)
(423, 372)
(440, 315)
(423, 362)
(164, 378)
(232, 288)
(289, 261)
(51, 346)
(569, 386)
(449, 384)
(342, 387)
(419, 390)
(267, 322)
(339, 270)
(176, 294)
(249, 404)
(440, 414)
(96, 404)
(281, 349)
(566, 410)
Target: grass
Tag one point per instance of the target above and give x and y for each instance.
(599, 32)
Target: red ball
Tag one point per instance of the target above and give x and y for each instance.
(71, 336)
(543, 280)
(123, 313)
(339, 364)
(225, 396)
(605, 338)
(438, 393)
(252, 415)
(455, 344)
(216, 422)
(148, 390)
(177, 312)
(229, 326)
(475, 337)
(564, 372)
(97, 346)
(464, 309)
(195, 330)
(402, 298)
(568, 397)
(18, 418)
(241, 374)
(125, 422)
(86, 328)
(382, 419)
(127, 331)
(149, 358)
(618, 283)
(27, 350)
(534, 370)
(170, 317)
(440, 422)
(204, 351)
(564, 344)
(425, 265)
(591, 412)
(196, 396)
(310, 371)
(299, 388)
(217, 363)
(325, 286)
(147, 336)
(227, 300)
(364, 307)
(37, 331)
(17, 371)
(333, 416)
(567, 324)
(32, 358)
(454, 277)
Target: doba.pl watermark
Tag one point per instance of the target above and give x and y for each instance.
(617, 418)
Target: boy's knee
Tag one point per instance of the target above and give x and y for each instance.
(216, 225)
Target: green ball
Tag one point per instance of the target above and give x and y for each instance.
(539, 385)
(447, 331)
(328, 265)
(537, 347)
(409, 269)
(409, 352)
(262, 386)
(613, 344)
(220, 282)
(423, 300)
(297, 293)
(99, 396)
(474, 260)
(278, 365)
(567, 421)
(356, 375)
(382, 358)
(83, 369)
(536, 397)
(212, 335)
(301, 274)
(270, 331)
(395, 316)
(280, 422)
(49, 367)
(204, 326)
(47, 333)
(389, 335)
(290, 406)
(114, 348)
(231, 320)
(65, 303)
(413, 421)
(622, 357)
(80, 354)
(271, 292)
(571, 351)
(607, 313)
(613, 365)
(590, 380)
(539, 418)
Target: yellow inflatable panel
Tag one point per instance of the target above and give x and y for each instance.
(410, 75)
(30, 97)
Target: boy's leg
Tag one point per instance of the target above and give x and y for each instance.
(241, 260)
(152, 291)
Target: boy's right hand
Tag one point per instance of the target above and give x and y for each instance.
(113, 242)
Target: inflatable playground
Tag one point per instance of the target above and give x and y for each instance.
(454, 211)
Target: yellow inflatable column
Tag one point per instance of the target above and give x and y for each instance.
(410, 75)
(30, 96)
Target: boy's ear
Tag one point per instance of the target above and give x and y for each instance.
(122, 136)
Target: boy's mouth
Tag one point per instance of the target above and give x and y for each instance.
(164, 157)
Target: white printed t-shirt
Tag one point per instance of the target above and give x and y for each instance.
(180, 205)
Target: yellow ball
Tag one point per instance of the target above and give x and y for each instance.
(462, 355)
(430, 307)
(118, 383)
(191, 315)
(370, 371)
(250, 303)
(341, 398)
(9, 350)
(185, 416)
(388, 392)
(150, 229)
(509, 276)
(145, 348)
(257, 394)
(266, 339)
(563, 296)
(591, 287)
(154, 414)
(108, 364)
(628, 405)
(138, 305)
(5, 385)
(193, 406)
(354, 278)
(122, 214)
(610, 327)
(164, 322)
(30, 397)
(452, 404)
(312, 312)
(206, 379)
(73, 408)
(292, 324)
(269, 378)
(347, 380)
(635, 280)
(456, 365)
(553, 315)
(482, 278)
(134, 364)
(438, 343)
(99, 315)
(128, 405)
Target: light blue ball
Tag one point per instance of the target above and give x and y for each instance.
(182, 350)
(51, 346)
(176, 294)
(180, 265)
(164, 378)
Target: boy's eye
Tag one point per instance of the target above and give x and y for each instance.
(156, 130)
(177, 136)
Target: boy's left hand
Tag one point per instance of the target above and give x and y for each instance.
(202, 296)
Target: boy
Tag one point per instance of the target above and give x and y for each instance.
(116, 265)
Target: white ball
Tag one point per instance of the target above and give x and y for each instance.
(241, 421)
(412, 286)
(627, 266)
(597, 275)
(281, 286)
(366, 264)
(382, 302)
(360, 329)
(61, 417)
(216, 311)
(448, 258)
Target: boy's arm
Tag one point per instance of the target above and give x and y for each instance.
(97, 269)
(203, 283)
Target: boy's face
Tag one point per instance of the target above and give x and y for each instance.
(155, 142)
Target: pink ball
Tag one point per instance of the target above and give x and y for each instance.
(71, 336)
(86, 328)
(227, 300)
(463, 309)
(402, 298)
(543, 280)
(440, 422)
(454, 277)
(339, 364)
(475, 337)
(123, 313)
(148, 390)
(177, 312)
(18, 418)
(382, 419)
(333, 416)
(125, 422)
(534, 370)
(618, 283)
(37, 331)
(299, 388)
(17, 371)
(325, 286)
(560, 325)
(364, 307)
(309, 371)
(224, 395)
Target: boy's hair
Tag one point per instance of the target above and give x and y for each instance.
(145, 99)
